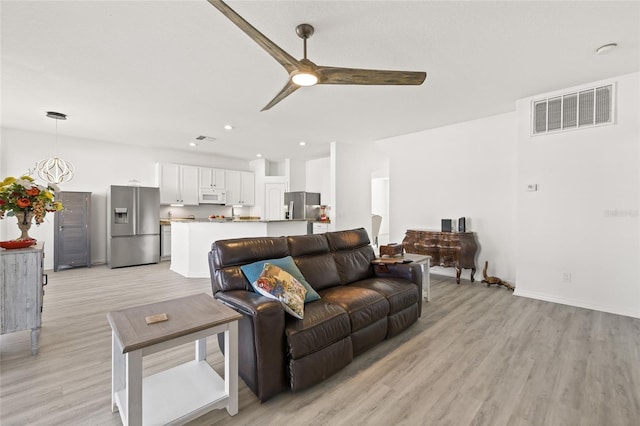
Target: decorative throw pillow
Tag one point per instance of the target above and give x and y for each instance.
(253, 270)
(276, 283)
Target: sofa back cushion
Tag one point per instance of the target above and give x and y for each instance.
(227, 256)
(315, 261)
(352, 254)
(253, 270)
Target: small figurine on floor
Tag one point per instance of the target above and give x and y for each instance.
(494, 280)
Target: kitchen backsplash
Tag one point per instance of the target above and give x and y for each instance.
(201, 212)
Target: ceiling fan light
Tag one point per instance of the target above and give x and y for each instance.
(304, 79)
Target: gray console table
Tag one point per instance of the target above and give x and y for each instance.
(21, 292)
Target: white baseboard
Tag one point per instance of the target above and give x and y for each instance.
(575, 303)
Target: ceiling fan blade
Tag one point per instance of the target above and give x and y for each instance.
(288, 89)
(287, 61)
(335, 75)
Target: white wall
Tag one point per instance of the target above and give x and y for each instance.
(584, 219)
(97, 165)
(318, 178)
(380, 205)
(351, 184)
(467, 169)
(297, 175)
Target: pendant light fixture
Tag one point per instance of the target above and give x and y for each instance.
(55, 170)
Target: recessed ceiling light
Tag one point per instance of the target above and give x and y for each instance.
(228, 127)
(606, 48)
(303, 143)
(258, 155)
(193, 144)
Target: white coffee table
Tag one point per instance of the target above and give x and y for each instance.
(182, 393)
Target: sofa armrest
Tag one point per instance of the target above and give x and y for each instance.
(261, 345)
(249, 303)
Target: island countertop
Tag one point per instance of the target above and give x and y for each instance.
(191, 239)
(169, 221)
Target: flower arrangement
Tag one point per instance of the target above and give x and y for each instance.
(24, 195)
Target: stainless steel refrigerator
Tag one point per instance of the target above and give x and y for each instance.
(302, 205)
(133, 227)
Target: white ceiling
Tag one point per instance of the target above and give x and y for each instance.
(160, 73)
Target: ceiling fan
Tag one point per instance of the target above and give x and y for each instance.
(303, 72)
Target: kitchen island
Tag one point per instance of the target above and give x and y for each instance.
(191, 240)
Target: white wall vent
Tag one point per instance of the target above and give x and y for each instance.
(583, 108)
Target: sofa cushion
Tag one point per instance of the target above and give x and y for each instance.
(352, 254)
(239, 251)
(316, 367)
(346, 240)
(226, 257)
(323, 324)
(369, 336)
(319, 270)
(276, 283)
(253, 270)
(307, 245)
(400, 293)
(363, 305)
(354, 265)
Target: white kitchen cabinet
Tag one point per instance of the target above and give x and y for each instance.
(179, 184)
(212, 178)
(241, 188)
(248, 189)
(320, 228)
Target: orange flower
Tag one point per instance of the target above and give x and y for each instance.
(33, 191)
(23, 202)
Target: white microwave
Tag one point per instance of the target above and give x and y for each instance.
(210, 195)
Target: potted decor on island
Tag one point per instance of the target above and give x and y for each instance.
(26, 200)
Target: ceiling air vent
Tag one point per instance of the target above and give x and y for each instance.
(583, 108)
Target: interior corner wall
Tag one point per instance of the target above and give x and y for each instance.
(351, 184)
(579, 234)
(467, 169)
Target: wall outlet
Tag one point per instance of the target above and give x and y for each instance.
(532, 187)
(566, 277)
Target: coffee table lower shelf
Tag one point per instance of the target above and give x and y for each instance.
(180, 394)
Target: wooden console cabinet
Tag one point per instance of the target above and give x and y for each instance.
(448, 249)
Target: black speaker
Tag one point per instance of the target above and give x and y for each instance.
(462, 226)
(446, 225)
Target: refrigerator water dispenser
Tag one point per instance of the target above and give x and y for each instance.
(121, 215)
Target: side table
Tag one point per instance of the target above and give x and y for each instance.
(422, 260)
(181, 393)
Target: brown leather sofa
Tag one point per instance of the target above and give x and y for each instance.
(360, 306)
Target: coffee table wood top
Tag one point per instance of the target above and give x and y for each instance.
(186, 315)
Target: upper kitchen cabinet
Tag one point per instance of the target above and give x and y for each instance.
(241, 188)
(178, 184)
(212, 178)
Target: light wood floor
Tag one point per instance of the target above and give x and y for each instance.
(478, 356)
